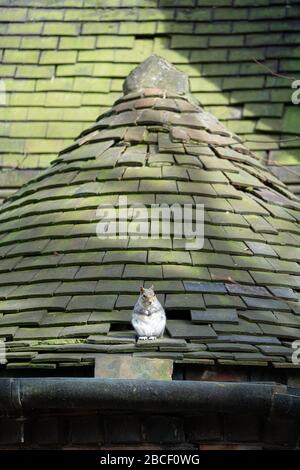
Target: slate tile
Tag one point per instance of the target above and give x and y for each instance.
(5, 291)
(196, 346)
(295, 281)
(143, 198)
(212, 259)
(254, 291)
(231, 247)
(135, 271)
(231, 275)
(244, 327)
(221, 218)
(92, 302)
(148, 243)
(184, 301)
(87, 151)
(70, 288)
(249, 339)
(222, 315)
(106, 174)
(35, 290)
(263, 316)
(165, 144)
(287, 319)
(185, 272)
(281, 331)
(83, 331)
(295, 306)
(95, 243)
(66, 245)
(146, 345)
(38, 333)
(204, 189)
(131, 159)
(115, 316)
(64, 319)
(215, 204)
(27, 318)
(61, 273)
(252, 357)
(199, 355)
(17, 277)
(260, 224)
(248, 206)
(116, 286)
(182, 329)
(226, 191)
(83, 230)
(10, 263)
(58, 357)
(145, 172)
(126, 301)
(158, 160)
(31, 247)
(283, 266)
(8, 331)
(135, 134)
(274, 350)
(284, 365)
(204, 287)
(171, 199)
(260, 249)
(188, 161)
(285, 252)
(241, 233)
(87, 189)
(219, 300)
(97, 272)
(243, 179)
(174, 172)
(170, 257)
(39, 261)
(230, 347)
(166, 287)
(82, 258)
(29, 365)
(38, 303)
(158, 186)
(19, 356)
(272, 279)
(204, 176)
(118, 257)
(106, 340)
(267, 304)
(121, 348)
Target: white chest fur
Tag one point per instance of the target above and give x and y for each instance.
(149, 320)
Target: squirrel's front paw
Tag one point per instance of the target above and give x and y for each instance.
(143, 338)
(152, 338)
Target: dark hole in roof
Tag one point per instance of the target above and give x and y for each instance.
(180, 314)
(120, 327)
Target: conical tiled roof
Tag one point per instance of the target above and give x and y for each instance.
(67, 295)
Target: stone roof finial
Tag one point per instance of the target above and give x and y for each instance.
(156, 72)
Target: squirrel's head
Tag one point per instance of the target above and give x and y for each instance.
(147, 296)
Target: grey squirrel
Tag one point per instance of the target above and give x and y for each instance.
(148, 316)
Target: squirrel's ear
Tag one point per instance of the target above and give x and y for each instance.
(141, 289)
(152, 287)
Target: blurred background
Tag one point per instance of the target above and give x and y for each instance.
(63, 64)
